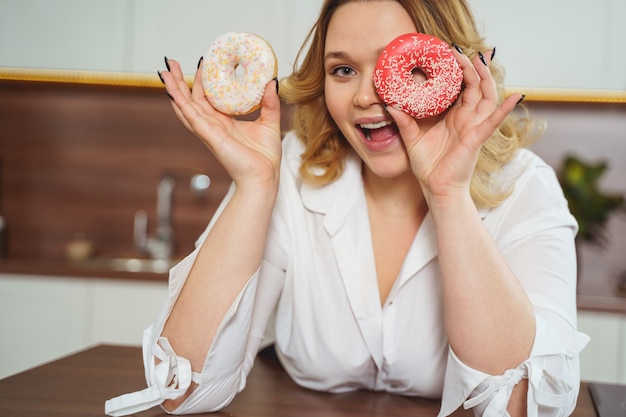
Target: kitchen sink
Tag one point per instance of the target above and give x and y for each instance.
(129, 264)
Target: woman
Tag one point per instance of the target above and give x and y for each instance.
(429, 257)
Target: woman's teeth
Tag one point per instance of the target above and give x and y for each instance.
(367, 127)
(378, 125)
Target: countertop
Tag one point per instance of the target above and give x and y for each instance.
(78, 385)
(62, 268)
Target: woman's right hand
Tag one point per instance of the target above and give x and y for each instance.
(250, 151)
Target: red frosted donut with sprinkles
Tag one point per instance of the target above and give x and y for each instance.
(235, 71)
(393, 75)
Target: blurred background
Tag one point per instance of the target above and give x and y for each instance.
(102, 189)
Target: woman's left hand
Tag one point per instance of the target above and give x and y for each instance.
(443, 150)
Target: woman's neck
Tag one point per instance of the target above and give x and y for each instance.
(397, 197)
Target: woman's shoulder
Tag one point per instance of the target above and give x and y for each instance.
(536, 190)
(527, 169)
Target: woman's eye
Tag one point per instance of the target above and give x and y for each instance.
(343, 71)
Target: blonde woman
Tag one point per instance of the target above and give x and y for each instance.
(430, 257)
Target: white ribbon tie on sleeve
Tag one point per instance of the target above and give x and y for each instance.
(169, 379)
(500, 388)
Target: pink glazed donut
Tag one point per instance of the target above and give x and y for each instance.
(236, 70)
(393, 75)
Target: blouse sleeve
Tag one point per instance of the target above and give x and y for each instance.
(229, 359)
(536, 236)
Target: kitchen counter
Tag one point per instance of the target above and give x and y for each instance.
(78, 385)
(86, 269)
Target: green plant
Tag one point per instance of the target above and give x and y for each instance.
(590, 206)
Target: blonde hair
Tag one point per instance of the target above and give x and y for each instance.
(325, 146)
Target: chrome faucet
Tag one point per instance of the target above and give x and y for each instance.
(160, 246)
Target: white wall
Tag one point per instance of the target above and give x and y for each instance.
(555, 44)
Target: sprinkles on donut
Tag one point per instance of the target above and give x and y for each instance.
(236, 70)
(393, 75)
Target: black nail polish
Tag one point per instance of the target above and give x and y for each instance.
(277, 84)
(493, 53)
(161, 77)
(167, 64)
(459, 50)
(482, 58)
(200, 62)
(170, 96)
(521, 99)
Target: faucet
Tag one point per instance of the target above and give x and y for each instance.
(160, 245)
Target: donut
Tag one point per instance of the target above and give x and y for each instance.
(236, 70)
(393, 75)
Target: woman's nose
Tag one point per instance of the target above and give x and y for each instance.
(366, 94)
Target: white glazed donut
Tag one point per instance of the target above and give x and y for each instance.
(393, 75)
(236, 70)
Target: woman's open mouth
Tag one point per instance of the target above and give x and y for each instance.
(379, 132)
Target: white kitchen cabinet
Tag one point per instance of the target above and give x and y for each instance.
(133, 36)
(40, 319)
(123, 309)
(604, 358)
(623, 351)
(43, 318)
(165, 27)
(558, 54)
(65, 34)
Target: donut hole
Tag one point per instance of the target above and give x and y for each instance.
(239, 71)
(418, 75)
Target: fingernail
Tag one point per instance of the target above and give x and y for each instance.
(170, 96)
(457, 48)
(161, 77)
(482, 58)
(200, 62)
(493, 53)
(521, 99)
(277, 84)
(167, 64)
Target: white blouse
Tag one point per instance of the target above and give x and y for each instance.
(315, 296)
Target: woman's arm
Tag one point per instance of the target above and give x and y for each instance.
(488, 317)
(232, 251)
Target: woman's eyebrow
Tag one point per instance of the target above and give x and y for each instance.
(345, 55)
(338, 55)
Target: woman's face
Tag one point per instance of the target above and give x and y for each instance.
(357, 33)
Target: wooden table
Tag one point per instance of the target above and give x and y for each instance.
(78, 385)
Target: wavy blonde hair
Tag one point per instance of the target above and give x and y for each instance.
(325, 146)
